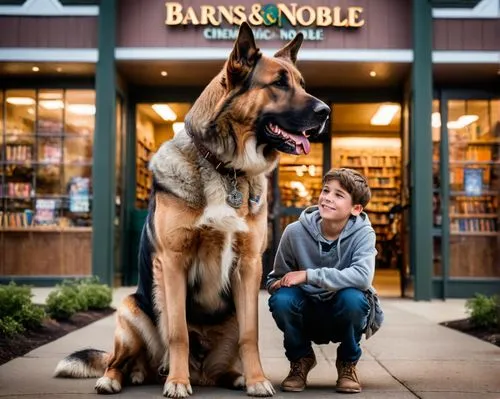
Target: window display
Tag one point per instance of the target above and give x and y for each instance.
(46, 141)
(47, 144)
(474, 159)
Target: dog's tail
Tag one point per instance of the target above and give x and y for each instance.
(86, 363)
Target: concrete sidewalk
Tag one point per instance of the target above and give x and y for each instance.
(410, 357)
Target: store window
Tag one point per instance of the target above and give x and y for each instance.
(474, 159)
(45, 181)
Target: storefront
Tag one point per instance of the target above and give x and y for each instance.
(88, 91)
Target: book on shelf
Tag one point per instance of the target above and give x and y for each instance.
(45, 212)
(79, 194)
(473, 181)
(16, 219)
(474, 225)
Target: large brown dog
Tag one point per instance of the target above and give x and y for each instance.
(194, 315)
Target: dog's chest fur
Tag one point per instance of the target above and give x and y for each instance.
(218, 231)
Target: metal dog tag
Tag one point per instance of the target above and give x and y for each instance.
(235, 198)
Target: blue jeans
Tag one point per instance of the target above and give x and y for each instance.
(304, 320)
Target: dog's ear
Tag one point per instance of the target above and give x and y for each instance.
(244, 56)
(292, 48)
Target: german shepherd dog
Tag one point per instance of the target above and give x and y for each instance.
(194, 315)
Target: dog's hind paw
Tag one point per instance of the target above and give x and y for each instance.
(106, 385)
(177, 390)
(261, 389)
(136, 377)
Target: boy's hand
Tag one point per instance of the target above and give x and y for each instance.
(275, 286)
(294, 278)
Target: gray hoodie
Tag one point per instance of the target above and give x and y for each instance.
(331, 266)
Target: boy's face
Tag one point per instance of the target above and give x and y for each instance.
(335, 203)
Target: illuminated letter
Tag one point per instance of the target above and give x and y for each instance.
(208, 15)
(354, 14)
(190, 17)
(336, 18)
(323, 16)
(226, 13)
(239, 15)
(300, 15)
(290, 15)
(174, 13)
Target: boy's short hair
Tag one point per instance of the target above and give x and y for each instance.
(353, 182)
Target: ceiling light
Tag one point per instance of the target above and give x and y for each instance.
(164, 73)
(20, 100)
(51, 104)
(384, 114)
(35, 69)
(165, 112)
(460, 123)
(373, 74)
(82, 109)
(178, 127)
(59, 69)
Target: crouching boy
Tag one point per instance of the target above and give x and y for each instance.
(321, 283)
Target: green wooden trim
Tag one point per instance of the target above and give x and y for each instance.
(465, 287)
(38, 281)
(129, 239)
(421, 165)
(103, 171)
(445, 195)
(454, 3)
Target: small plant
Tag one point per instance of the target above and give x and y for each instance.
(97, 296)
(73, 296)
(63, 302)
(483, 310)
(17, 312)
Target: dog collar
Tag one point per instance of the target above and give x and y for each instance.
(210, 157)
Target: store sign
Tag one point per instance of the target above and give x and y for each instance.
(270, 21)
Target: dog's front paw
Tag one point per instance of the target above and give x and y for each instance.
(106, 385)
(261, 388)
(177, 389)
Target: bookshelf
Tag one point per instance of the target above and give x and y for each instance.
(145, 147)
(381, 165)
(45, 182)
(474, 166)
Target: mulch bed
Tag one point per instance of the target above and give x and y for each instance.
(489, 335)
(10, 348)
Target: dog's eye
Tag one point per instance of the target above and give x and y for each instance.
(281, 82)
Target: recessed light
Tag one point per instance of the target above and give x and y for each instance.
(35, 69)
(373, 74)
(164, 73)
(59, 69)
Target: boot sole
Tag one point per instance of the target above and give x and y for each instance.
(347, 390)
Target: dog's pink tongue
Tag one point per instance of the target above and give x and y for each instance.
(301, 142)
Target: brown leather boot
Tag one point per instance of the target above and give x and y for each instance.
(297, 377)
(347, 381)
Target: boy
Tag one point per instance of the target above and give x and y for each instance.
(321, 282)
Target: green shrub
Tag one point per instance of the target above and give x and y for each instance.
(73, 296)
(483, 310)
(97, 296)
(17, 312)
(64, 302)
